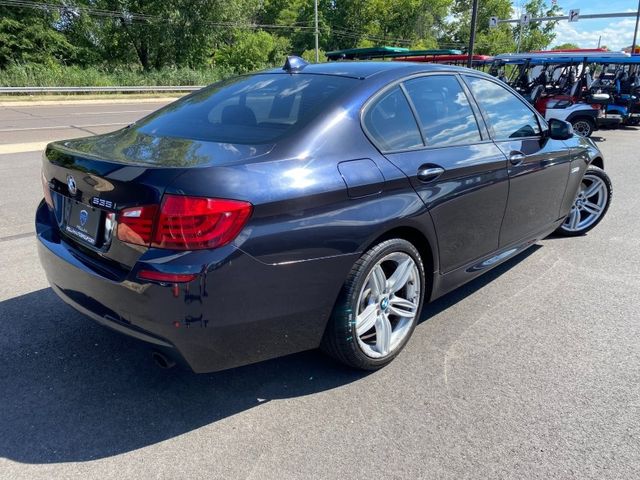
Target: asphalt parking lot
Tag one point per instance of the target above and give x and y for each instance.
(532, 371)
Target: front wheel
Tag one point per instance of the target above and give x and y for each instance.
(590, 205)
(378, 307)
(583, 127)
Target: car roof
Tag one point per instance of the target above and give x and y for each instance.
(364, 69)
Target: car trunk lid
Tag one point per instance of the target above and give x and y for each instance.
(93, 179)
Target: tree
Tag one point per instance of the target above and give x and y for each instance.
(406, 23)
(310, 55)
(251, 51)
(489, 41)
(242, 35)
(536, 35)
(29, 36)
(174, 33)
(566, 46)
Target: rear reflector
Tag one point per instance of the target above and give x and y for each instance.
(47, 191)
(166, 277)
(184, 223)
(190, 223)
(135, 225)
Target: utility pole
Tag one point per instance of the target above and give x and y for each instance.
(472, 37)
(635, 32)
(316, 33)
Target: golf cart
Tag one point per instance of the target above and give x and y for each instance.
(559, 86)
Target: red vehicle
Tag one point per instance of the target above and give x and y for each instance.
(559, 86)
(460, 60)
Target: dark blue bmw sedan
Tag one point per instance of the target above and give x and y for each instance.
(304, 207)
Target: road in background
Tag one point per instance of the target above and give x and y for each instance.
(21, 124)
(532, 371)
(24, 133)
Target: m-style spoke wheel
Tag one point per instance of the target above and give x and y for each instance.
(387, 304)
(590, 205)
(378, 307)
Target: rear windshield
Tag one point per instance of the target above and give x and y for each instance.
(249, 110)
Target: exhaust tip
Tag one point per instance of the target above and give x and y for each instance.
(162, 361)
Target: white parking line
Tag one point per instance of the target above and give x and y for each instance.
(55, 127)
(22, 147)
(80, 114)
(67, 102)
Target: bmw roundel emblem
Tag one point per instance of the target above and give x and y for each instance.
(83, 217)
(384, 304)
(71, 183)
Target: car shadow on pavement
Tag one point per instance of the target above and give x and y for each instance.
(464, 291)
(71, 390)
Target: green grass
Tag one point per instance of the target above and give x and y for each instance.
(71, 76)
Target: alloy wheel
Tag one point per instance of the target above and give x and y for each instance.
(589, 204)
(388, 304)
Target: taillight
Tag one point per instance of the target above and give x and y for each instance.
(135, 225)
(47, 191)
(184, 223)
(190, 223)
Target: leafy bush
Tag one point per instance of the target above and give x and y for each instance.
(252, 51)
(310, 55)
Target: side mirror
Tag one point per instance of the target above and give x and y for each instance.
(559, 129)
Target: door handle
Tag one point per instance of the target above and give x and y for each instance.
(428, 174)
(516, 158)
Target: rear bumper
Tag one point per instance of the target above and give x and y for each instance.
(238, 311)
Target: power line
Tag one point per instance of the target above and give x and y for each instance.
(131, 16)
(126, 16)
(358, 35)
(138, 17)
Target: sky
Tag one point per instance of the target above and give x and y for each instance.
(617, 33)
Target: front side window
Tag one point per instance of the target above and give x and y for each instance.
(391, 124)
(446, 118)
(508, 116)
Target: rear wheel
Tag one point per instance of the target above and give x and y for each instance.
(378, 307)
(590, 205)
(583, 126)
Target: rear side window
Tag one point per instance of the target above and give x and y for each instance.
(446, 118)
(391, 124)
(248, 110)
(508, 116)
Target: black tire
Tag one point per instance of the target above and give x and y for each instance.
(601, 174)
(583, 126)
(340, 339)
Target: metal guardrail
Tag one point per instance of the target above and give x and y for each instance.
(131, 89)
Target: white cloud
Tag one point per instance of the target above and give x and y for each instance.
(616, 35)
